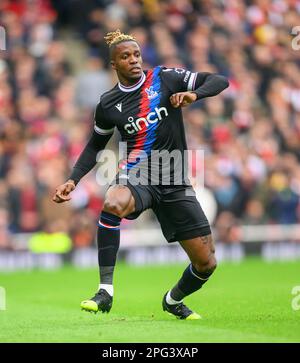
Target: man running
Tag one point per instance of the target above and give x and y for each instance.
(145, 106)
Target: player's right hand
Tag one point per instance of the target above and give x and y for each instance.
(62, 193)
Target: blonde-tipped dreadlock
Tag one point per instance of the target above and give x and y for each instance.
(115, 37)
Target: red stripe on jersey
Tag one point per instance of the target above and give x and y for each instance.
(144, 111)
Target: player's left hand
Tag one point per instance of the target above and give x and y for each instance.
(183, 99)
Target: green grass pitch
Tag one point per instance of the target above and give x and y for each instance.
(247, 302)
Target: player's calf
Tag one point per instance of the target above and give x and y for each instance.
(118, 203)
(205, 268)
(203, 263)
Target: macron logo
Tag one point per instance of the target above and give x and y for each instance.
(119, 107)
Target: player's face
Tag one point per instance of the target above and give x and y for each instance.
(127, 61)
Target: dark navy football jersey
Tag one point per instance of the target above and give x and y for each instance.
(149, 125)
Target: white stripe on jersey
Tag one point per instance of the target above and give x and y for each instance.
(102, 131)
(192, 81)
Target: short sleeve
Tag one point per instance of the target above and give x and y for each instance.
(101, 125)
(179, 79)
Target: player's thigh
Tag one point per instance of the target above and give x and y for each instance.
(119, 200)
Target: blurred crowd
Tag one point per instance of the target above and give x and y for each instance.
(250, 133)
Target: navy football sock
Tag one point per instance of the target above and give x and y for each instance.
(190, 281)
(108, 239)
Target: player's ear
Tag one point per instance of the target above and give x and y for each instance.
(113, 64)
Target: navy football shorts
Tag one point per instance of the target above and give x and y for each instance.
(176, 208)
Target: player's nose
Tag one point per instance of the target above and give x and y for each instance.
(133, 60)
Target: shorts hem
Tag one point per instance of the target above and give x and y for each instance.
(190, 233)
(138, 203)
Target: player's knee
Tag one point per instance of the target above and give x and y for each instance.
(113, 206)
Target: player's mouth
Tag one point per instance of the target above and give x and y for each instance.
(135, 69)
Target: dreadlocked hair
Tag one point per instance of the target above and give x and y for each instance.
(116, 37)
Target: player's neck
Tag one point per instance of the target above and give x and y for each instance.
(132, 86)
(125, 82)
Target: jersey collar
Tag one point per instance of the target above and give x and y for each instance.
(134, 87)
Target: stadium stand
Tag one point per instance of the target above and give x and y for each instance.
(56, 66)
